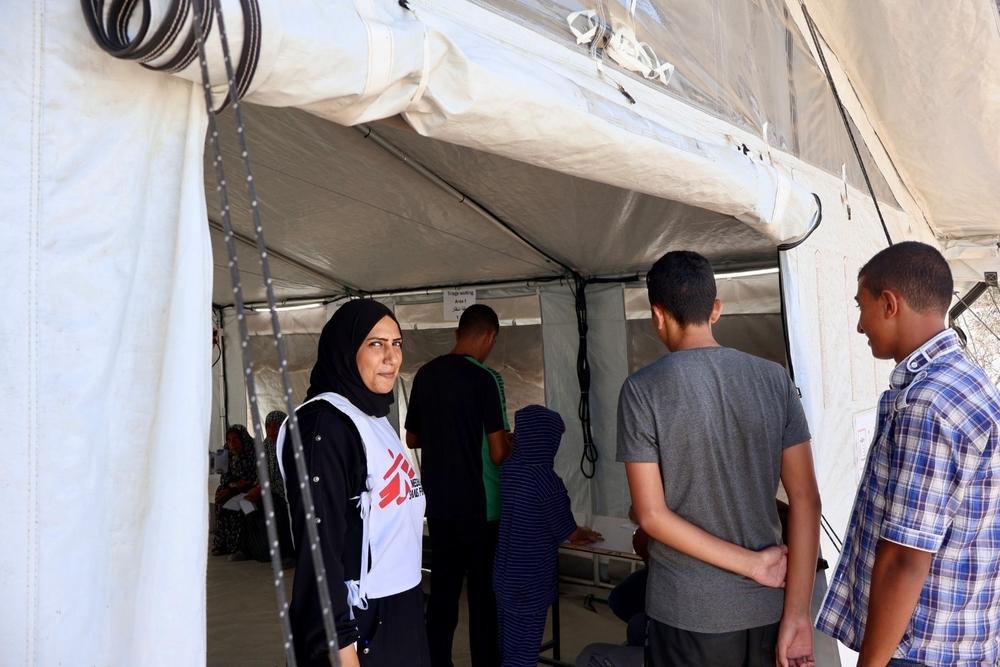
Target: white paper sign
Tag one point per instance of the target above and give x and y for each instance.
(456, 301)
(864, 433)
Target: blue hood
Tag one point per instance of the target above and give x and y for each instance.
(537, 434)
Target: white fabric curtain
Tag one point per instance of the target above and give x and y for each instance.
(606, 493)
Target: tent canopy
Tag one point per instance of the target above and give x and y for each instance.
(344, 213)
(456, 202)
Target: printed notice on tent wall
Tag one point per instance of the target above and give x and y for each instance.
(864, 433)
(455, 301)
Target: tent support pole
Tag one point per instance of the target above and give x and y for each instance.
(277, 254)
(965, 302)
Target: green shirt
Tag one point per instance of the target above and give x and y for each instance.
(491, 472)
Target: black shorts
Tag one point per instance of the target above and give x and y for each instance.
(667, 646)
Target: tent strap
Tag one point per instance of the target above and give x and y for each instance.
(323, 589)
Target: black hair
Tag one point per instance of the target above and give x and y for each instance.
(241, 432)
(477, 320)
(683, 284)
(274, 417)
(917, 271)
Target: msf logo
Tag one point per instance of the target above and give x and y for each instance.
(401, 479)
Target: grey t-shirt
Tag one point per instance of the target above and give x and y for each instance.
(716, 420)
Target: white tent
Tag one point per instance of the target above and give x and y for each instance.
(436, 142)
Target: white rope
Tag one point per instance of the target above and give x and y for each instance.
(621, 45)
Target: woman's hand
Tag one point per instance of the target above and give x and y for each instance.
(253, 495)
(222, 494)
(769, 566)
(584, 535)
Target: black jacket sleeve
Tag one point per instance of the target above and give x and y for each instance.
(335, 460)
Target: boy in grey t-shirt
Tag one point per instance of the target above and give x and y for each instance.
(706, 434)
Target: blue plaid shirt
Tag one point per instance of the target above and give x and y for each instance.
(932, 482)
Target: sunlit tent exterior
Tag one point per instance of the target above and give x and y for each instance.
(520, 147)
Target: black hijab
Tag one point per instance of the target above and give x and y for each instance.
(336, 366)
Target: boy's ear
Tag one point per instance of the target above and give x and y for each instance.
(891, 303)
(716, 312)
(659, 317)
(488, 341)
(661, 322)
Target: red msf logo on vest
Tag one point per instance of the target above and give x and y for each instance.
(400, 476)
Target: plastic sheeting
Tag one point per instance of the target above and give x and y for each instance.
(333, 196)
(759, 335)
(928, 79)
(106, 352)
(746, 295)
(743, 62)
(657, 169)
(326, 208)
(517, 356)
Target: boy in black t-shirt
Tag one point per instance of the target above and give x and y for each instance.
(457, 417)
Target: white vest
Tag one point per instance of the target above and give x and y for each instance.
(392, 508)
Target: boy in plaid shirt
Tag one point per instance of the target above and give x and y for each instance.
(918, 582)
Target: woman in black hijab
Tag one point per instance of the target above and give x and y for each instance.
(360, 477)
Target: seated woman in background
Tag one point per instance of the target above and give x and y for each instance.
(255, 543)
(239, 478)
(368, 499)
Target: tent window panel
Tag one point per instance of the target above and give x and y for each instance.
(760, 335)
(751, 320)
(517, 356)
(301, 351)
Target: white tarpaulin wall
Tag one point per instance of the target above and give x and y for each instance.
(105, 346)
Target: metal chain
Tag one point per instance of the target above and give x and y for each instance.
(292, 427)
